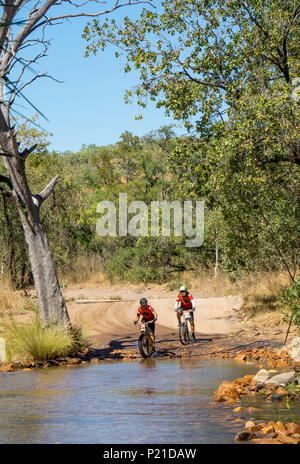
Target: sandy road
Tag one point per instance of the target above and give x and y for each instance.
(110, 321)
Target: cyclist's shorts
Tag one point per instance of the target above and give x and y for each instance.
(151, 326)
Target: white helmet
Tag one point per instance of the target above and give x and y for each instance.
(183, 288)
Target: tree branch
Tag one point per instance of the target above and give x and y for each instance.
(44, 194)
(27, 151)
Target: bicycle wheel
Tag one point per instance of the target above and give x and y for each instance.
(183, 333)
(188, 331)
(145, 345)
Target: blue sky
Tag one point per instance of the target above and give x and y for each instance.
(89, 106)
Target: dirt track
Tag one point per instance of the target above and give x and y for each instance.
(110, 323)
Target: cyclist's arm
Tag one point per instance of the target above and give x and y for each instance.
(193, 305)
(154, 314)
(177, 305)
(137, 318)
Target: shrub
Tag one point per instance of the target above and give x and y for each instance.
(291, 300)
(32, 341)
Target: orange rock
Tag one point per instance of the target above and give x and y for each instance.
(7, 368)
(231, 401)
(266, 441)
(287, 440)
(281, 391)
(279, 427)
(293, 428)
(282, 353)
(238, 382)
(249, 424)
(226, 392)
(269, 428)
(255, 427)
(254, 410)
(269, 392)
(270, 385)
(26, 369)
(240, 357)
(282, 364)
(288, 425)
(238, 409)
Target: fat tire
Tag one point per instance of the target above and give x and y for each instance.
(149, 346)
(182, 334)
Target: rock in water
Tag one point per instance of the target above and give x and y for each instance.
(226, 392)
(252, 410)
(281, 379)
(262, 376)
(7, 368)
(73, 360)
(242, 436)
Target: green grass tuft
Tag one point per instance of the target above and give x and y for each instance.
(32, 341)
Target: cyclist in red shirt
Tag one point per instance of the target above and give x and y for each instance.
(185, 301)
(148, 314)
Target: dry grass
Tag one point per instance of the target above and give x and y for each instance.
(11, 301)
(261, 293)
(205, 282)
(268, 319)
(86, 270)
(261, 296)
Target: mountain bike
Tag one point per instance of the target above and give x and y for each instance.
(185, 330)
(146, 345)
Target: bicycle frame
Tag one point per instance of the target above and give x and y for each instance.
(184, 335)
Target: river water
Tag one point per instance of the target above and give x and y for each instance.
(149, 401)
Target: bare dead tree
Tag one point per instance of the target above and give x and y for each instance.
(20, 38)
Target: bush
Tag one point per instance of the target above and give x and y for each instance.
(32, 341)
(291, 300)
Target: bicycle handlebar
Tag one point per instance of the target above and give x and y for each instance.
(185, 309)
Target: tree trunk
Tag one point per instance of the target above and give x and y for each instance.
(11, 251)
(216, 255)
(51, 302)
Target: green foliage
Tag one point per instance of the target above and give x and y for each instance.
(291, 300)
(226, 69)
(196, 59)
(293, 388)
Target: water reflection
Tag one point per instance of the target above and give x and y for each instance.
(148, 363)
(108, 403)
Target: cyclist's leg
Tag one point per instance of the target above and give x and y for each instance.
(179, 313)
(151, 327)
(192, 324)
